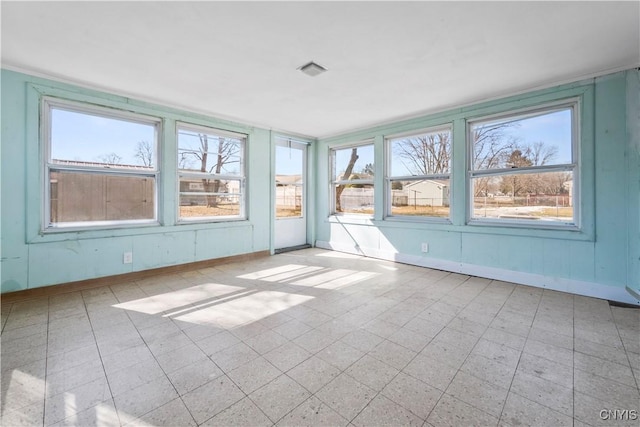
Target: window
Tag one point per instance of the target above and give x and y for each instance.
(418, 174)
(210, 174)
(100, 166)
(524, 167)
(291, 165)
(352, 179)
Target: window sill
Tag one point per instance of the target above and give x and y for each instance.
(518, 230)
(131, 230)
(210, 220)
(418, 219)
(553, 231)
(351, 219)
(529, 224)
(98, 226)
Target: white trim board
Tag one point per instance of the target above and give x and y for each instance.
(577, 287)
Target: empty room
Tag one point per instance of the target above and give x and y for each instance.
(320, 213)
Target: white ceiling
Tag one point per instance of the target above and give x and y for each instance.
(386, 60)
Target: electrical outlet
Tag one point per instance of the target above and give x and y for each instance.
(127, 258)
(425, 247)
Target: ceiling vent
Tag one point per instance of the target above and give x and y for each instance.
(312, 69)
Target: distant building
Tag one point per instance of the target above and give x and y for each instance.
(428, 192)
(569, 187)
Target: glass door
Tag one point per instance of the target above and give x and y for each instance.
(290, 194)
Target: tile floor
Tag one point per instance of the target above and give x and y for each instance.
(319, 338)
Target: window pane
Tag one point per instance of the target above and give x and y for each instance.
(206, 206)
(428, 198)
(546, 197)
(289, 181)
(203, 152)
(78, 197)
(91, 140)
(209, 197)
(289, 200)
(425, 154)
(354, 198)
(354, 163)
(289, 162)
(544, 139)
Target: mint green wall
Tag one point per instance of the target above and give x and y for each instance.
(32, 259)
(600, 260)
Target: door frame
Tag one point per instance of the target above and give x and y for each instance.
(308, 185)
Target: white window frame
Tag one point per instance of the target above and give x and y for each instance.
(205, 175)
(51, 103)
(335, 182)
(572, 104)
(389, 179)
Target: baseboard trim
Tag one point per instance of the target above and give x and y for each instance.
(81, 285)
(589, 289)
(291, 249)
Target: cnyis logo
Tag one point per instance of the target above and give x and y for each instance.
(619, 414)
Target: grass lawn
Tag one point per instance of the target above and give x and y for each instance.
(221, 209)
(566, 212)
(436, 211)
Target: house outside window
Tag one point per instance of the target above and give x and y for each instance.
(211, 174)
(101, 166)
(418, 183)
(352, 173)
(524, 168)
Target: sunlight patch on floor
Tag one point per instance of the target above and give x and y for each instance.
(193, 307)
(349, 279)
(249, 308)
(269, 272)
(19, 388)
(283, 277)
(335, 276)
(177, 299)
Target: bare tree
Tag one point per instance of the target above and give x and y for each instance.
(517, 183)
(226, 153)
(368, 169)
(144, 153)
(492, 146)
(426, 154)
(110, 158)
(491, 149)
(347, 173)
(556, 183)
(540, 153)
(431, 154)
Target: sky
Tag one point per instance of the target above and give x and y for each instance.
(84, 137)
(554, 129)
(289, 161)
(342, 157)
